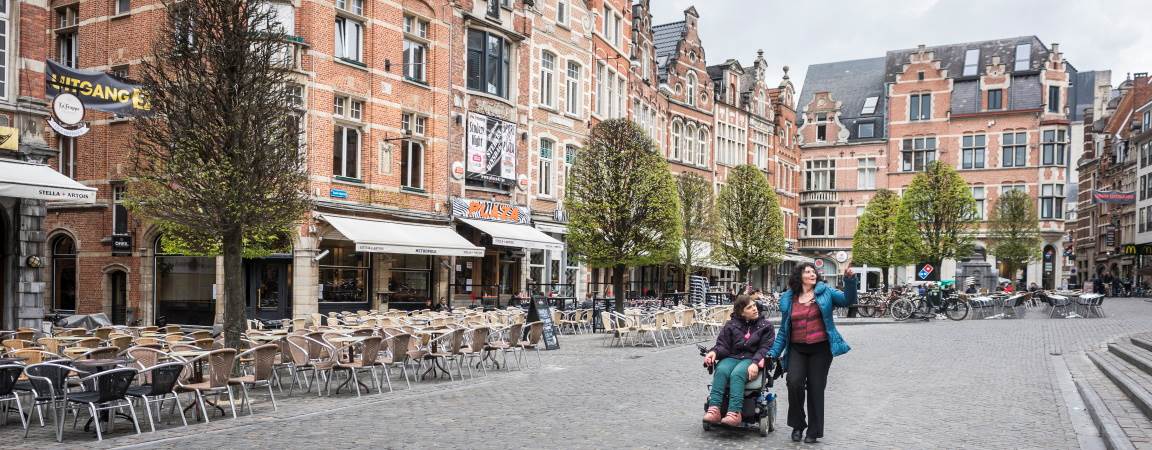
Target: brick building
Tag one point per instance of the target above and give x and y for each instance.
(996, 110)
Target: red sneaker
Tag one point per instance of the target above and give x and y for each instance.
(733, 419)
(713, 414)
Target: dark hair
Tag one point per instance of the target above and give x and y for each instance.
(739, 304)
(796, 280)
(753, 290)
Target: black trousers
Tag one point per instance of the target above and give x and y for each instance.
(807, 377)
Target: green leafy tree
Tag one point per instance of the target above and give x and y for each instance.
(622, 205)
(885, 236)
(219, 164)
(697, 204)
(1014, 231)
(941, 206)
(750, 227)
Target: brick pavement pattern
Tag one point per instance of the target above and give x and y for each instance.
(942, 384)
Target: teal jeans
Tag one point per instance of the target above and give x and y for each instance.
(730, 373)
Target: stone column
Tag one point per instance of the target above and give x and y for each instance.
(29, 300)
(219, 289)
(305, 277)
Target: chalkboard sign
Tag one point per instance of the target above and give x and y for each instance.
(540, 311)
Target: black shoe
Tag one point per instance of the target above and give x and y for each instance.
(810, 440)
(797, 434)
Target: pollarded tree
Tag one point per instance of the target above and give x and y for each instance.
(750, 227)
(622, 205)
(885, 236)
(941, 206)
(697, 204)
(220, 160)
(1014, 231)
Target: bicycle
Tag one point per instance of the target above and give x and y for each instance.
(952, 306)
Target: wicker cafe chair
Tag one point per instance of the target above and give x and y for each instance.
(215, 381)
(369, 352)
(475, 342)
(263, 365)
(449, 345)
(535, 334)
(511, 335)
(395, 354)
(311, 354)
(159, 387)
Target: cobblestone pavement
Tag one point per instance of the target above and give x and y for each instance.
(942, 384)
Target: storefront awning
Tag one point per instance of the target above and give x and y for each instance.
(798, 258)
(702, 257)
(515, 235)
(377, 236)
(39, 182)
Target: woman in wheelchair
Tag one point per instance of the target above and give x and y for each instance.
(739, 357)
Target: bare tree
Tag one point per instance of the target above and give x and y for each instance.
(220, 162)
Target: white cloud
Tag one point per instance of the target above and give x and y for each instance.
(1093, 34)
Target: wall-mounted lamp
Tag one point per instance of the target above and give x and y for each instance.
(387, 65)
(524, 136)
(457, 118)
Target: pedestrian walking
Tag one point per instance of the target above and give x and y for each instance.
(806, 344)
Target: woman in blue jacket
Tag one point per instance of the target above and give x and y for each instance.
(807, 342)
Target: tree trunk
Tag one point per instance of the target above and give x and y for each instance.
(234, 316)
(618, 286)
(885, 272)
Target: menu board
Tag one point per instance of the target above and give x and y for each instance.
(542, 312)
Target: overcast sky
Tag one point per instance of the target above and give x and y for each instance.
(1093, 34)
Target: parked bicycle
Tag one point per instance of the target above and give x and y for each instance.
(952, 305)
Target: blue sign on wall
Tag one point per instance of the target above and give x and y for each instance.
(338, 193)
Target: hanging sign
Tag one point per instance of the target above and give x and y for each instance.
(491, 149)
(9, 138)
(457, 170)
(97, 90)
(68, 115)
(1113, 197)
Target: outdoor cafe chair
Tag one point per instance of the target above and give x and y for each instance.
(17, 344)
(448, 347)
(263, 364)
(99, 353)
(505, 341)
(369, 352)
(308, 353)
(394, 353)
(108, 390)
(535, 334)
(121, 342)
(9, 375)
(49, 344)
(159, 387)
(214, 382)
(475, 341)
(103, 332)
(48, 384)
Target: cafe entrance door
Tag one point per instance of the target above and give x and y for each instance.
(269, 289)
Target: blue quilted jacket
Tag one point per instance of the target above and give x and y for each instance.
(827, 298)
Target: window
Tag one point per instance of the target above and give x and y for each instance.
(488, 56)
(562, 12)
(601, 92)
(689, 143)
(64, 273)
(67, 35)
(4, 46)
(917, 153)
(869, 105)
(493, 10)
(548, 79)
(570, 152)
(972, 151)
(545, 176)
(865, 130)
(821, 175)
(980, 197)
(691, 96)
(702, 147)
(123, 6)
(1147, 122)
(347, 108)
(352, 6)
(677, 140)
(349, 39)
(412, 165)
(67, 156)
(612, 24)
(821, 132)
(415, 49)
(971, 62)
(1053, 99)
(920, 107)
(1051, 201)
(1023, 57)
(821, 221)
(119, 210)
(1006, 188)
(1053, 147)
(866, 173)
(920, 76)
(343, 273)
(346, 152)
(572, 89)
(995, 99)
(296, 95)
(1014, 148)
(413, 124)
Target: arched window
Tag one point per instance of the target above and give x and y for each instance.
(702, 150)
(64, 273)
(689, 143)
(692, 88)
(677, 140)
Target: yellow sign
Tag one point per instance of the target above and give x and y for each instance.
(9, 138)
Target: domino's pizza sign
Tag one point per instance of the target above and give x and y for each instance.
(926, 271)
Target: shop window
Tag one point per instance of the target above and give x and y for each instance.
(343, 274)
(410, 279)
(183, 287)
